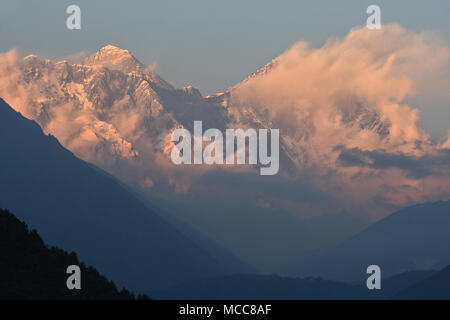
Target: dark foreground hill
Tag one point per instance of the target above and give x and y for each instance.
(81, 209)
(31, 270)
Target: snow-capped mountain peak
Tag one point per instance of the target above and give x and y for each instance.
(110, 109)
(114, 58)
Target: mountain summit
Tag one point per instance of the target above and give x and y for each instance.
(114, 58)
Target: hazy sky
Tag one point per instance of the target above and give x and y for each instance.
(208, 44)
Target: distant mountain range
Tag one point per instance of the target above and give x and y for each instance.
(413, 238)
(31, 270)
(112, 111)
(410, 285)
(120, 111)
(435, 287)
(82, 209)
(260, 287)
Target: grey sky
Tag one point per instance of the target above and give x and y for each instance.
(208, 44)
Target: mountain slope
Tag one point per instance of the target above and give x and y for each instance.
(31, 270)
(413, 238)
(79, 209)
(397, 283)
(436, 287)
(222, 255)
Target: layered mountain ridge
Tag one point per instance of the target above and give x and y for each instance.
(119, 109)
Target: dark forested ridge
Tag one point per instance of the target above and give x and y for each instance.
(31, 270)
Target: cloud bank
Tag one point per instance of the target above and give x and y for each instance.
(342, 114)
